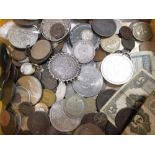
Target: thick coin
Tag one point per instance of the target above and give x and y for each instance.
(33, 85)
(48, 97)
(84, 51)
(41, 107)
(60, 120)
(99, 55)
(128, 44)
(4, 118)
(125, 32)
(89, 82)
(26, 36)
(111, 44)
(18, 55)
(88, 129)
(142, 31)
(103, 97)
(104, 27)
(38, 122)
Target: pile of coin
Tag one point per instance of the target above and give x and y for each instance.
(58, 76)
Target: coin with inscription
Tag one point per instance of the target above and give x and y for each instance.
(125, 32)
(128, 44)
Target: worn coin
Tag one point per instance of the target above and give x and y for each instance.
(118, 25)
(89, 82)
(18, 55)
(41, 107)
(38, 122)
(103, 97)
(69, 90)
(111, 44)
(128, 44)
(147, 46)
(125, 32)
(99, 55)
(60, 120)
(104, 27)
(90, 105)
(4, 118)
(27, 68)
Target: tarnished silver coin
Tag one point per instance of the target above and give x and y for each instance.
(84, 51)
(60, 120)
(27, 69)
(142, 31)
(83, 32)
(111, 44)
(89, 82)
(22, 37)
(69, 90)
(64, 67)
(47, 24)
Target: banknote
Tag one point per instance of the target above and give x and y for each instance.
(144, 121)
(140, 86)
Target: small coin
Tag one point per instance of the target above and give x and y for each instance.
(60, 120)
(38, 122)
(41, 107)
(89, 82)
(103, 97)
(84, 51)
(125, 32)
(88, 129)
(104, 27)
(26, 108)
(110, 129)
(27, 68)
(147, 46)
(4, 118)
(142, 31)
(48, 97)
(18, 55)
(128, 44)
(111, 44)
(99, 55)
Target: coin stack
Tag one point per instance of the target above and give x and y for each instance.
(74, 77)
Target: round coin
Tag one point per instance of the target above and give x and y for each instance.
(118, 25)
(104, 27)
(125, 32)
(128, 44)
(18, 55)
(4, 118)
(89, 82)
(27, 69)
(41, 107)
(110, 129)
(99, 55)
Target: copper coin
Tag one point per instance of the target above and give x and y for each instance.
(110, 129)
(128, 44)
(125, 32)
(57, 30)
(4, 118)
(99, 55)
(38, 122)
(18, 55)
(26, 108)
(88, 129)
(103, 97)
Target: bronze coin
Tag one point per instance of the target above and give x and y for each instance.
(125, 32)
(57, 30)
(4, 118)
(88, 129)
(38, 122)
(99, 55)
(18, 55)
(26, 108)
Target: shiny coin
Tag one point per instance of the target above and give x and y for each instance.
(4, 118)
(103, 97)
(104, 27)
(41, 107)
(125, 32)
(99, 55)
(33, 85)
(128, 44)
(111, 129)
(83, 32)
(74, 106)
(47, 24)
(48, 97)
(38, 122)
(88, 129)
(118, 25)
(111, 44)
(18, 55)
(26, 36)
(142, 31)
(147, 46)
(121, 73)
(84, 51)
(27, 68)
(60, 120)
(89, 82)
(63, 67)
(26, 108)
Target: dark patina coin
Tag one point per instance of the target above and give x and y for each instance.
(4, 118)
(57, 30)
(103, 97)
(26, 108)
(38, 122)
(128, 44)
(125, 32)
(99, 55)
(53, 131)
(18, 55)
(104, 27)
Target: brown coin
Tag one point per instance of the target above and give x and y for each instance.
(99, 55)
(88, 129)
(4, 118)
(125, 32)
(53, 131)
(128, 44)
(21, 132)
(38, 122)
(18, 55)
(57, 30)
(147, 46)
(26, 108)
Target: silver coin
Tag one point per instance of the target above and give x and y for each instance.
(64, 67)
(48, 23)
(142, 31)
(60, 120)
(84, 32)
(69, 90)
(89, 82)
(111, 44)
(67, 48)
(91, 63)
(118, 25)
(22, 37)
(84, 51)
